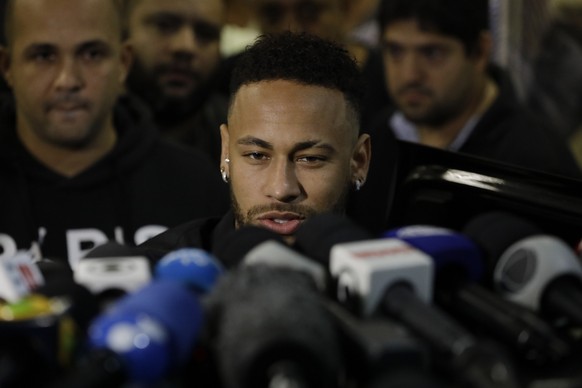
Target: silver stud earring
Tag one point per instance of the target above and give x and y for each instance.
(358, 184)
(227, 160)
(224, 175)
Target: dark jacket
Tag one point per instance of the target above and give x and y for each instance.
(140, 188)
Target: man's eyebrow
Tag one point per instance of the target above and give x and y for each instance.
(34, 47)
(92, 44)
(313, 144)
(253, 141)
(154, 17)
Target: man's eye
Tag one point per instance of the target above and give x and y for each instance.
(393, 52)
(93, 54)
(166, 25)
(256, 156)
(43, 56)
(311, 159)
(206, 32)
(433, 53)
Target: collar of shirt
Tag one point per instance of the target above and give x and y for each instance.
(405, 130)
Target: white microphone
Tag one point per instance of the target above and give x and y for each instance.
(544, 274)
(368, 268)
(19, 276)
(535, 270)
(112, 270)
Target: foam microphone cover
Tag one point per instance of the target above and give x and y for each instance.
(495, 231)
(318, 234)
(193, 267)
(236, 244)
(269, 322)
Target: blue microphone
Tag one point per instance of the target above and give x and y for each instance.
(152, 332)
(193, 267)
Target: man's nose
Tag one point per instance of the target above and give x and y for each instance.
(69, 77)
(184, 41)
(282, 182)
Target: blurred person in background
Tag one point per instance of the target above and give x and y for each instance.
(447, 94)
(176, 44)
(554, 91)
(81, 163)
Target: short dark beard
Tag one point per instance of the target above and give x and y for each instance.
(167, 110)
(439, 115)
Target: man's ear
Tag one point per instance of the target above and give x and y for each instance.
(126, 58)
(224, 153)
(5, 65)
(361, 158)
(484, 50)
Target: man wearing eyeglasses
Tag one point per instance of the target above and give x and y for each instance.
(177, 50)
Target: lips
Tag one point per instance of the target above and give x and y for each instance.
(281, 223)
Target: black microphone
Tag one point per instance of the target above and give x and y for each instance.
(459, 270)
(270, 328)
(252, 245)
(375, 350)
(394, 279)
(380, 352)
(535, 270)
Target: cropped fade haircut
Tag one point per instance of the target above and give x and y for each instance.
(302, 58)
(120, 8)
(464, 20)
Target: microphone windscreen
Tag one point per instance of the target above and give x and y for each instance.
(495, 231)
(236, 244)
(194, 267)
(318, 234)
(270, 317)
(172, 304)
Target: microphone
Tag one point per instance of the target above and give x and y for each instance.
(394, 279)
(141, 339)
(459, 269)
(374, 348)
(112, 270)
(379, 352)
(252, 245)
(535, 270)
(152, 332)
(195, 268)
(269, 328)
(18, 276)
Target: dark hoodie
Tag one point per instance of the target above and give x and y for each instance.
(143, 186)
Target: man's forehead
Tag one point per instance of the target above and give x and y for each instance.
(410, 32)
(290, 112)
(92, 22)
(182, 8)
